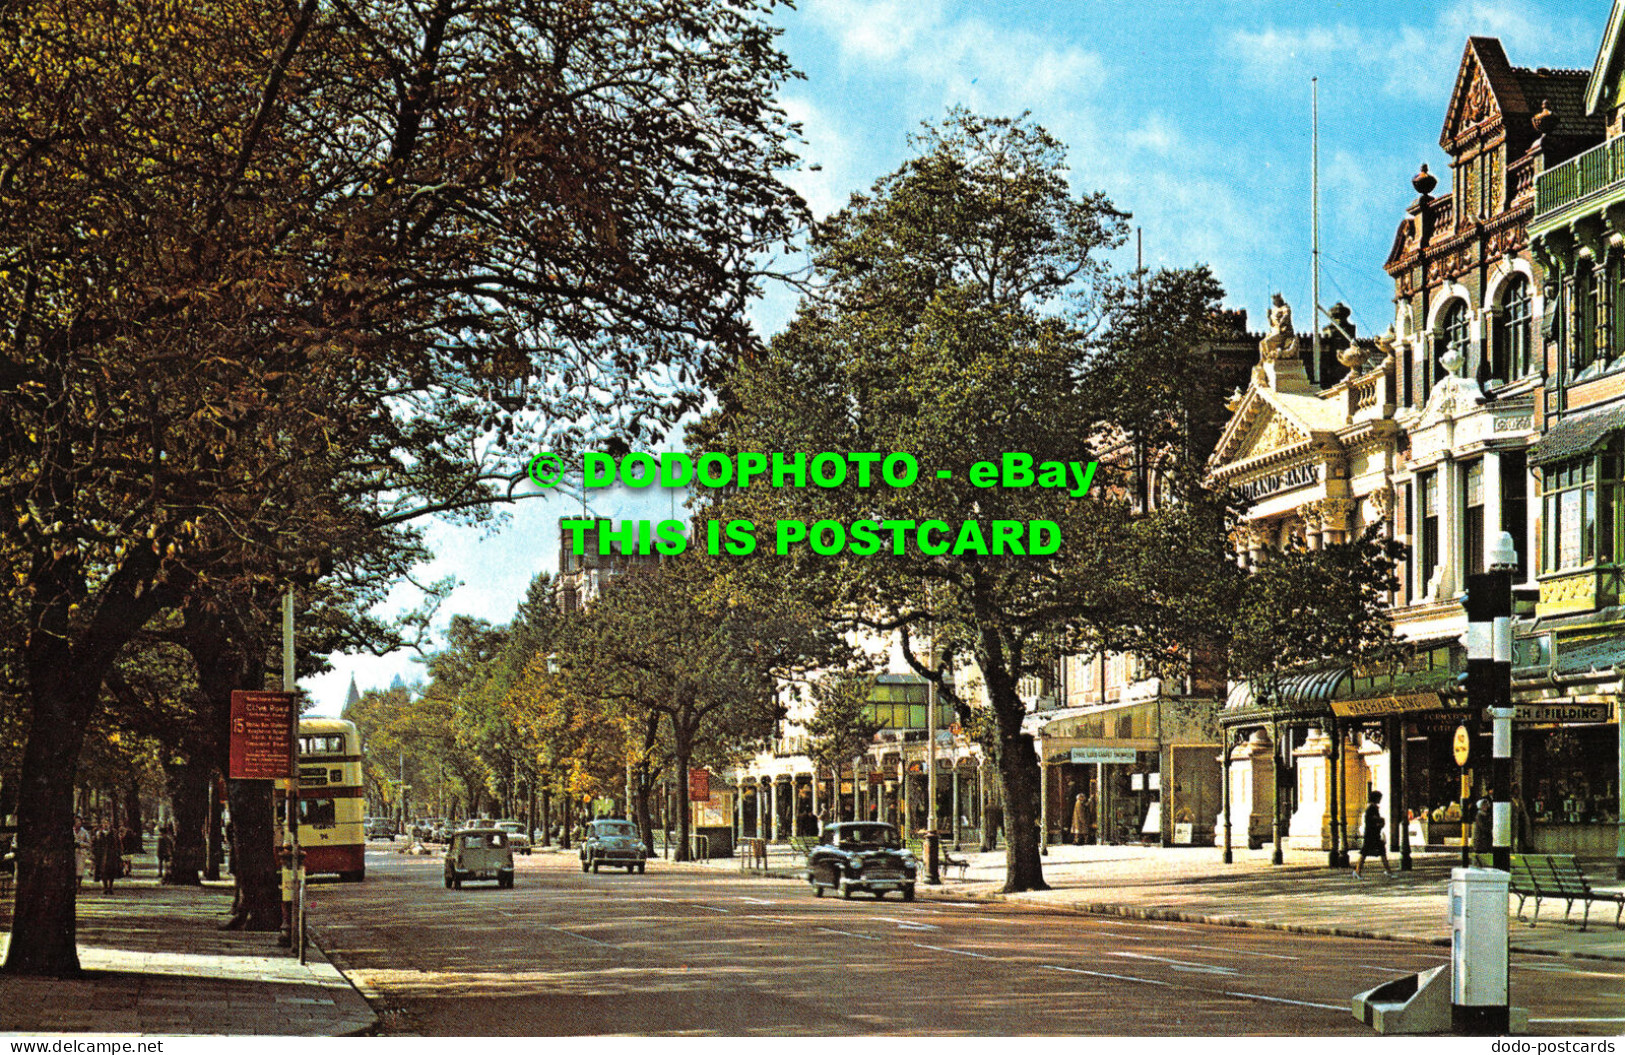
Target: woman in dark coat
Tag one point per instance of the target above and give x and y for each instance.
(106, 856)
(1372, 845)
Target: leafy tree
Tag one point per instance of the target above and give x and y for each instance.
(842, 726)
(274, 276)
(963, 305)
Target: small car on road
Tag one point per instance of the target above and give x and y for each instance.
(479, 853)
(611, 842)
(861, 855)
(516, 836)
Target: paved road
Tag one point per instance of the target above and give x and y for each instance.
(690, 951)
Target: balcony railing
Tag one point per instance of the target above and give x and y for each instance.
(1580, 177)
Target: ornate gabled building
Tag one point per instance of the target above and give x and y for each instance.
(1316, 464)
(1571, 657)
(1469, 313)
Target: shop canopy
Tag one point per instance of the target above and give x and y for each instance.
(1429, 682)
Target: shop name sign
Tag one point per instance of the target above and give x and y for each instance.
(1562, 712)
(1416, 701)
(1110, 755)
(1285, 480)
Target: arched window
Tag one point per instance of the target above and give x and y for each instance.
(1455, 336)
(1511, 356)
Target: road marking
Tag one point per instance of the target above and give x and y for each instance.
(713, 908)
(1577, 1020)
(1284, 1000)
(849, 934)
(957, 952)
(1179, 965)
(1248, 952)
(907, 925)
(1106, 974)
(583, 937)
(756, 900)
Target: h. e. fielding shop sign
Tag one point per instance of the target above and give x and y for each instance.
(1285, 480)
(1544, 713)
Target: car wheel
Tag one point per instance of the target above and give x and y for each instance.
(584, 865)
(846, 891)
(457, 884)
(595, 868)
(641, 868)
(818, 890)
(448, 882)
(908, 893)
(505, 881)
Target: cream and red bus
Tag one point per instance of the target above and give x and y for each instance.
(331, 798)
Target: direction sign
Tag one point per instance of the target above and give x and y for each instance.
(261, 735)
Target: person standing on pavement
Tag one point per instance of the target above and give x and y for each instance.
(1484, 826)
(105, 856)
(1083, 819)
(81, 851)
(1372, 845)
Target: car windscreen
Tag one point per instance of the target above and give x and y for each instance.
(617, 831)
(871, 835)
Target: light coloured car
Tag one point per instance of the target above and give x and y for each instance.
(516, 836)
(479, 853)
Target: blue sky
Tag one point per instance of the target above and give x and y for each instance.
(1195, 117)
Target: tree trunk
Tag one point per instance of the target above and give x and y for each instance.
(216, 831)
(683, 751)
(44, 924)
(640, 805)
(253, 857)
(547, 817)
(1018, 769)
(189, 787)
(132, 809)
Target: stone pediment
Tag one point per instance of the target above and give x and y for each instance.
(1452, 397)
(1271, 433)
(1257, 429)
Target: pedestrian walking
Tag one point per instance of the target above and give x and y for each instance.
(166, 847)
(105, 856)
(128, 843)
(1372, 845)
(81, 851)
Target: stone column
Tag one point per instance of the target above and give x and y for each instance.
(1449, 481)
(1492, 502)
(1311, 821)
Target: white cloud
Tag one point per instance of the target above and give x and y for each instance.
(1414, 60)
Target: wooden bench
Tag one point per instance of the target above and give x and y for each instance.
(1558, 877)
(1523, 880)
(945, 860)
(800, 844)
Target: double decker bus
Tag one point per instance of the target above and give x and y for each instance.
(331, 799)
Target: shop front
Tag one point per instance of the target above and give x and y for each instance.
(1132, 772)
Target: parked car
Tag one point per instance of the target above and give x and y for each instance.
(861, 855)
(516, 836)
(379, 828)
(479, 853)
(613, 843)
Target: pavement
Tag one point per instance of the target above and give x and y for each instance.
(1302, 895)
(157, 962)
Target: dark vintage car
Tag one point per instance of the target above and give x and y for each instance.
(479, 853)
(611, 842)
(861, 855)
